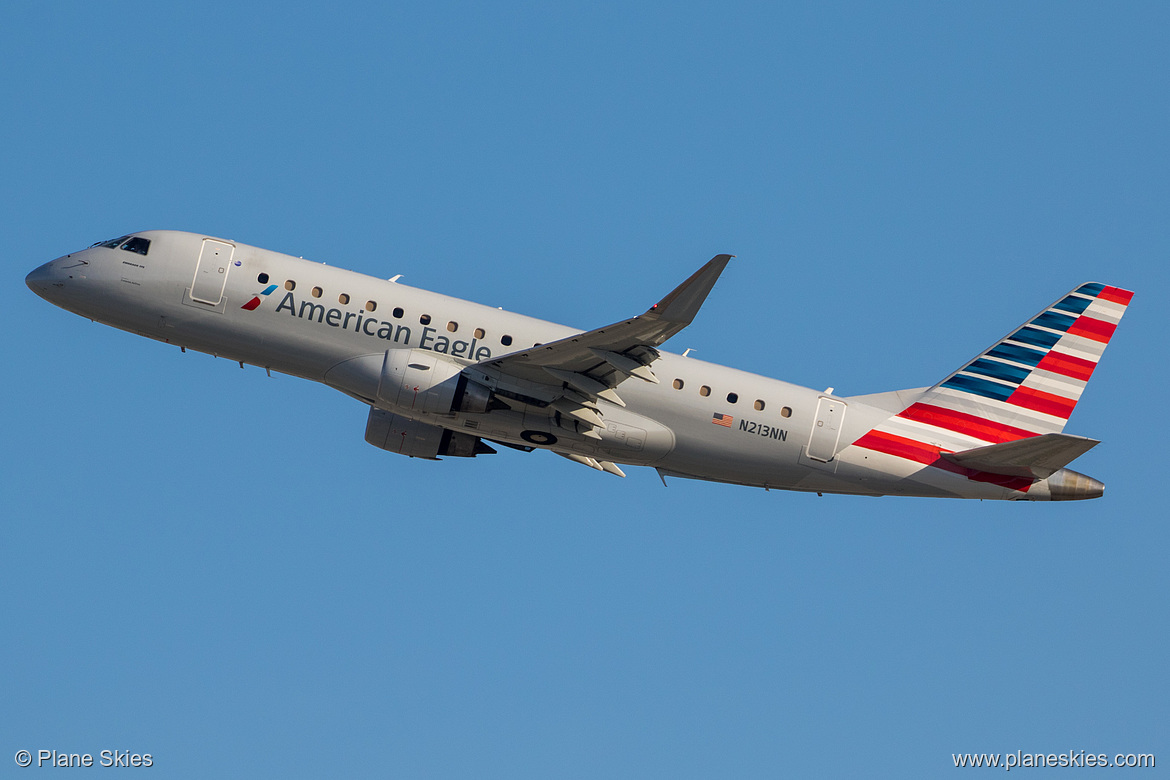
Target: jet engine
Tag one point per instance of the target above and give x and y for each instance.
(395, 433)
(421, 382)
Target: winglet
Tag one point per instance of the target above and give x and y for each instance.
(683, 303)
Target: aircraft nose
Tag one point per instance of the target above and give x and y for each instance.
(40, 278)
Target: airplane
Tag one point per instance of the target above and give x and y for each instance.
(445, 377)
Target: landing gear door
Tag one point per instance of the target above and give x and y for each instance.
(826, 430)
(215, 259)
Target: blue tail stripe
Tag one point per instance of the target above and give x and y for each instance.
(1055, 321)
(1093, 289)
(1017, 354)
(1074, 304)
(997, 370)
(1037, 338)
(983, 387)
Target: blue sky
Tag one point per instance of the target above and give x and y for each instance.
(213, 567)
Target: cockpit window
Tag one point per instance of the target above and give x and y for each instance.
(137, 244)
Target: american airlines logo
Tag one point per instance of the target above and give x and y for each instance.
(256, 299)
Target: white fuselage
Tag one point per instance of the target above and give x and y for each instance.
(334, 326)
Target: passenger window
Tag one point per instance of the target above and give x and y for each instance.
(371, 306)
(786, 411)
(704, 391)
(398, 312)
(343, 298)
(290, 285)
(506, 341)
(262, 278)
(425, 319)
(452, 327)
(732, 398)
(317, 292)
(678, 384)
(479, 334)
(137, 244)
(759, 406)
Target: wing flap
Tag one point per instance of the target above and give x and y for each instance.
(1036, 457)
(600, 465)
(627, 365)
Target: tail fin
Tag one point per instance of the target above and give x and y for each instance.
(1024, 385)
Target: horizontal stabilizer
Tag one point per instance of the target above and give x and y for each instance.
(1036, 457)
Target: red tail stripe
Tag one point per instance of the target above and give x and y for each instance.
(1040, 401)
(890, 444)
(966, 424)
(1116, 295)
(899, 446)
(1075, 367)
(1097, 330)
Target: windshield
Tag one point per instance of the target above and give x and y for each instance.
(136, 244)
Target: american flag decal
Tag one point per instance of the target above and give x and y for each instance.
(722, 419)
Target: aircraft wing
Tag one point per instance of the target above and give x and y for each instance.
(1036, 457)
(574, 372)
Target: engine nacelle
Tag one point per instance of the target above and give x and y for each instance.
(395, 433)
(421, 382)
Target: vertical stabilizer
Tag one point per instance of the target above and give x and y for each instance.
(1029, 382)
(1024, 385)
